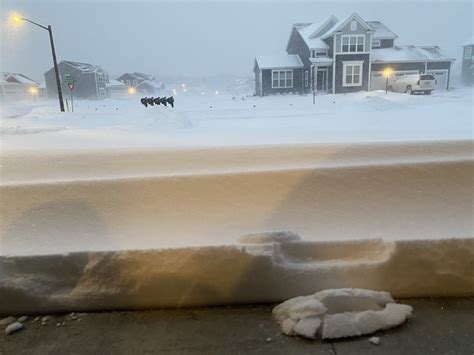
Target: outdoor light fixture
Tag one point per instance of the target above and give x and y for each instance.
(132, 91)
(387, 73)
(17, 20)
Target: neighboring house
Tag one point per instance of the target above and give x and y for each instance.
(117, 89)
(143, 82)
(90, 80)
(17, 86)
(348, 55)
(467, 71)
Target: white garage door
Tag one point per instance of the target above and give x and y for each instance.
(441, 77)
(377, 81)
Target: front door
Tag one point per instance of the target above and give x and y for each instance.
(322, 80)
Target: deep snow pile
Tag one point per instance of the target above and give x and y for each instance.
(339, 313)
(226, 120)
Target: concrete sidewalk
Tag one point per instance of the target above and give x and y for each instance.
(439, 326)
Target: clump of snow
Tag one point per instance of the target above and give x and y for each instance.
(13, 328)
(375, 340)
(268, 237)
(340, 313)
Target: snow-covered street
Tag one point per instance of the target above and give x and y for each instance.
(226, 120)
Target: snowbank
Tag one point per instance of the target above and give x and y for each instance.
(231, 275)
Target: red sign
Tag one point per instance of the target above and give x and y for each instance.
(71, 86)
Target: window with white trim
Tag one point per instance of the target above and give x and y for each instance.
(352, 74)
(127, 82)
(353, 43)
(100, 77)
(353, 25)
(306, 78)
(102, 92)
(468, 52)
(135, 82)
(376, 43)
(282, 79)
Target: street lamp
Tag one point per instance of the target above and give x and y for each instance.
(16, 19)
(387, 73)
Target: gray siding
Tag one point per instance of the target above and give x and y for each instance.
(339, 72)
(467, 73)
(297, 45)
(267, 83)
(386, 43)
(87, 86)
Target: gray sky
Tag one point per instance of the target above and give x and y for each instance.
(200, 38)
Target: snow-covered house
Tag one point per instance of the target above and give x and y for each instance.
(346, 55)
(467, 71)
(144, 83)
(90, 80)
(117, 89)
(17, 86)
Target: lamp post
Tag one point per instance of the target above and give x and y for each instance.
(387, 73)
(17, 19)
(33, 91)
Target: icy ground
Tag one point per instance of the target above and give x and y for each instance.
(224, 120)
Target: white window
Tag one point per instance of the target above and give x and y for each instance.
(135, 82)
(352, 74)
(376, 43)
(282, 79)
(468, 52)
(100, 77)
(306, 78)
(127, 82)
(353, 44)
(102, 92)
(353, 25)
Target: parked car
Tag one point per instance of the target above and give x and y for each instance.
(421, 83)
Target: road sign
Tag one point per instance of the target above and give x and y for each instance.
(71, 86)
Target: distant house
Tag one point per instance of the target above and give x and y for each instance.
(144, 83)
(341, 56)
(90, 80)
(117, 89)
(467, 71)
(17, 86)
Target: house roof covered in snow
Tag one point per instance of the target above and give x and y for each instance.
(83, 67)
(409, 54)
(315, 33)
(151, 84)
(113, 82)
(381, 31)
(16, 78)
(139, 76)
(321, 60)
(279, 61)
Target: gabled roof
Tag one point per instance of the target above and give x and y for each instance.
(306, 31)
(16, 78)
(151, 84)
(83, 67)
(409, 54)
(340, 24)
(381, 31)
(139, 76)
(279, 61)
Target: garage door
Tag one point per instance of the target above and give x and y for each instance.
(377, 81)
(441, 77)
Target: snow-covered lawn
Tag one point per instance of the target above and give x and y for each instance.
(223, 120)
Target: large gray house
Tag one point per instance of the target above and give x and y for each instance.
(467, 71)
(341, 56)
(90, 80)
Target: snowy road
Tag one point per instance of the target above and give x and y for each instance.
(219, 120)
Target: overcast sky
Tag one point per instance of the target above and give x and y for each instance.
(202, 38)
